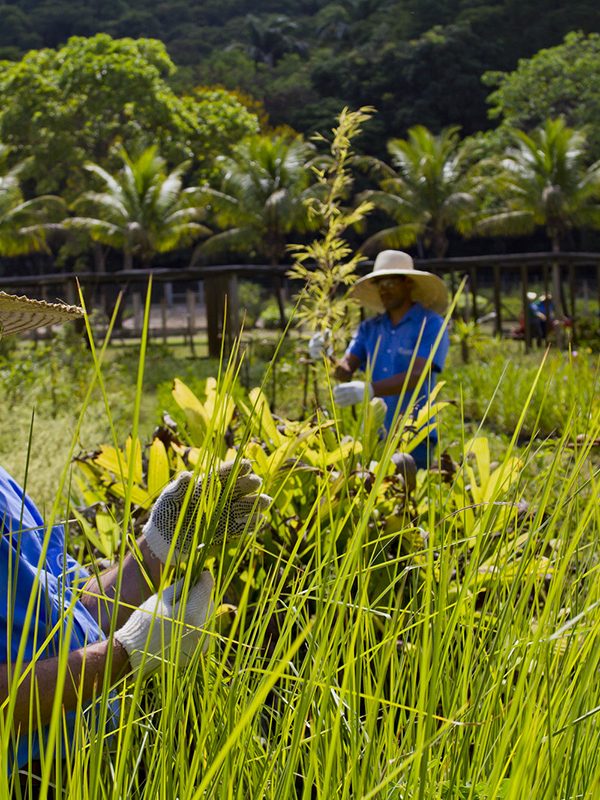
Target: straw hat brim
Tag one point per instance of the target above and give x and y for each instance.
(19, 314)
(427, 289)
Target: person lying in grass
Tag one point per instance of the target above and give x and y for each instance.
(124, 620)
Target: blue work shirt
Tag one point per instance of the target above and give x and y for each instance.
(51, 578)
(388, 350)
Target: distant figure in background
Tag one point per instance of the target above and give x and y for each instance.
(543, 308)
(541, 318)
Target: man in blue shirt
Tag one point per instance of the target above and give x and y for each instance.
(49, 603)
(407, 342)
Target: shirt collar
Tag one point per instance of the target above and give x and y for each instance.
(415, 312)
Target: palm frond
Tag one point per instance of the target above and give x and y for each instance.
(398, 237)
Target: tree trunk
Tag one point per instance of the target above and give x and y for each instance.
(215, 288)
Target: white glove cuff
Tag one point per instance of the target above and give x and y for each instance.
(133, 636)
(199, 605)
(158, 545)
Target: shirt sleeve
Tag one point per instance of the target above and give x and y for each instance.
(358, 345)
(431, 332)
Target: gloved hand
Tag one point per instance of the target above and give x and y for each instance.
(320, 345)
(148, 634)
(175, 513)
(348, 394)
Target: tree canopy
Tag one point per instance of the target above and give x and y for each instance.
(141, 210)
(67, 106)
(427, 193)
(415, 61)
(558, 81)
(264, 186)
(232, 84)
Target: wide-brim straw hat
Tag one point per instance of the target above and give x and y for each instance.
(19, 314)
(427, 289)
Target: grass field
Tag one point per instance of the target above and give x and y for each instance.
(374, 640)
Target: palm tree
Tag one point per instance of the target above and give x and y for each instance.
(262, 200)
(426, 193)
(142, 210)
(341, 24)
(271, 37)
(544, 182)
(24, 224)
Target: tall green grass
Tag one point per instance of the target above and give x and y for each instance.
(455, 657)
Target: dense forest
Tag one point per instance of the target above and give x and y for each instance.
(415, 61)
(132, 134)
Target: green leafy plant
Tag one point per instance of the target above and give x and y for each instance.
(469, 336)
(382, 636)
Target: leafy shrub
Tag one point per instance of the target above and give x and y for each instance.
(377, 638)
(251, 299)
(588, 332)
(269, 316)
(515, 391)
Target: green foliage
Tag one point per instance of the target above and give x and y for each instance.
(428, 192)
(24, 224)
(499, 388)
(417, 62)
(543, 180)
(252, 301)
(293, 458)
(326, 265)
(271, 37)
(141, 210)
(556, 81)
(370, 640)
(469, 336)
(65, 107)
(222, 119)
(588, 332)
(260, 203)
(270, 317)
(67, 371)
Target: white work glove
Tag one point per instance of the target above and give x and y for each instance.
(320, 345)
(175, 513)
(148, 634)
(351, 393)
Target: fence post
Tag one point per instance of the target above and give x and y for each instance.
(214, 292)
(163, 314)
(572, 296)
(497, 300)
(190, 297)
(233, 309)
(473, 282)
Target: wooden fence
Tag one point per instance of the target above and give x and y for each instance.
(188, 300)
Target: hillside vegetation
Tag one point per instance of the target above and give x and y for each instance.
(416, 61)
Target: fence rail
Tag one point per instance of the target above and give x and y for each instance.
(209, 293)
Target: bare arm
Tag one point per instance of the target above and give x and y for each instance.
(346, 367)
(395, 384)
(86, 668)
(139, 581)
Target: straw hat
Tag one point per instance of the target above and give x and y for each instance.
(427, 288)
(19, 314)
